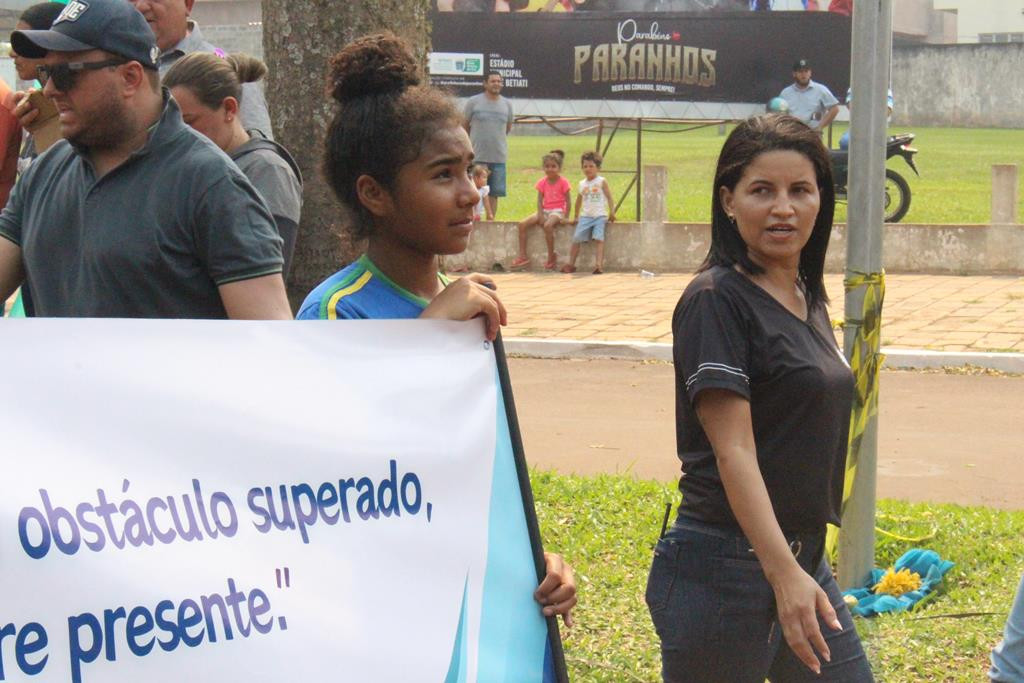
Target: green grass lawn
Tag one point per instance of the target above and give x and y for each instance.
(607, 526)
(954, 187)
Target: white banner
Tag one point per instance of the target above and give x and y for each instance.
(225, 501)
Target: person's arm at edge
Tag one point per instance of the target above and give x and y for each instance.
(540, 206)
(568, 203)
(10, 136)
(611, 200)
(258, 298)
(511, 118)
(829, 116)
(579, 206)
(725, 417)
(12, 270)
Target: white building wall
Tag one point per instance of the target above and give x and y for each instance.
(978, 17)
(232, 25)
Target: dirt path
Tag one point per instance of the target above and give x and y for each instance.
(942, 438)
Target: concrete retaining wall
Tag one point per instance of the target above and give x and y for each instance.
(979, 86)
(680, 247)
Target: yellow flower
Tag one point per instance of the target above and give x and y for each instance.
(897, 583)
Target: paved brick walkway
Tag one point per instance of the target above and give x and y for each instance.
(943, 313)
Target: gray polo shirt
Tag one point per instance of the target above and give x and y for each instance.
(809, 104)
(488, 125)
(254, 112)
(276, 176)
(153, 238)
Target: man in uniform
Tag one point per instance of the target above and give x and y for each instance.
(811, 102)
(177, 36)
(133, 214)
(489, 120)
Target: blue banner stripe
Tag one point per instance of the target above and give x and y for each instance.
(513, 633)
(457, 667)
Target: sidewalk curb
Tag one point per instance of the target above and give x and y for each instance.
(636, 350)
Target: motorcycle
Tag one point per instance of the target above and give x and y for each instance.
(897, 190)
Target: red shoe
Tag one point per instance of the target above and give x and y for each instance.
(519, 264)
(551, 263)
(568, 269)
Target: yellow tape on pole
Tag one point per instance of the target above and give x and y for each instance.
(866, 363)
(909, 539)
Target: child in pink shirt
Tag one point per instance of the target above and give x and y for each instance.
(552, 209)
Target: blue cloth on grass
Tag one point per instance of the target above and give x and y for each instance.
(926, 563)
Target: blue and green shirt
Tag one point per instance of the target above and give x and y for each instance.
(360, 291)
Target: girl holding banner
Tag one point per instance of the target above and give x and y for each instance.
(398, 159)
(740, 588)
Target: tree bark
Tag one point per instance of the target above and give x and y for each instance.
(299, 38)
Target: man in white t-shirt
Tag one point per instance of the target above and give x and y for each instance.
(811, 102)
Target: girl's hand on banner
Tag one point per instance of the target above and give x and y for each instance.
(557, 592)
(467, 298)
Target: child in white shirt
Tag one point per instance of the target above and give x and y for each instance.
(594, 207)
(479, 173)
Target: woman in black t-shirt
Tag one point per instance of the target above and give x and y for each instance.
(739, 588)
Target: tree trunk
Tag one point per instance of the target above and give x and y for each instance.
(299, 38)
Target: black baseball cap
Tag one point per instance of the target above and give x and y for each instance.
(798, 65)
(114, 26)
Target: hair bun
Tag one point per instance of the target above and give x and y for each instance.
(248, 69)
(373, 65)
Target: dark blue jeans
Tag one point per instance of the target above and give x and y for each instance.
(715, 612)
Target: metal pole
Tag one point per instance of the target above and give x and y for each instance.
(872, 51)
(639, 169)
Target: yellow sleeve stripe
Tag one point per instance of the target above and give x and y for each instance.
(332, 303)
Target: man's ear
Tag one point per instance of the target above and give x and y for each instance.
(134, 78)
(374, 196)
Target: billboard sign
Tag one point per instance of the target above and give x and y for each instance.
(734, 57)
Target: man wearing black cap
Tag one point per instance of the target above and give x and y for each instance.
(811, 102)
(133, 215)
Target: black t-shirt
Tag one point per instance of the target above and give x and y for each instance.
(731, 334)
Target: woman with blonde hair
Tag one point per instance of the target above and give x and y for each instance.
(208, 90)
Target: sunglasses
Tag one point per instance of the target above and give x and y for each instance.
(66, 75)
